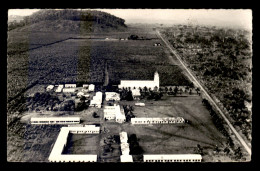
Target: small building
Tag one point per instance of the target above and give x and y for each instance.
(136, 94)
(120, 116)
(70, 85)
(112, 96)
(91, 87)
(114, 112)
(172, 158)
(140, 104)
(125, 148)
(80, 94)
(126, 158)
(85, 85)
(69, 90)
(123, 137)
(59, 88)
(109, 112)
(157, 44)
(50, 87)
(97, 100)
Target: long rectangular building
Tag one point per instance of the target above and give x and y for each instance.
(172, 158)
(169, 120)
(55, 120)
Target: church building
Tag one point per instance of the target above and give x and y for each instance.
(141, 83)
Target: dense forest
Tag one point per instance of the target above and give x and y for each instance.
(85, 20)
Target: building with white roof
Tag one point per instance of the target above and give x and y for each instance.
(114, 112)
(125, 148)
(69, 90)
(49, 87)
(169, 120)
(141, 83)
(140, 104)
(172, 158)
(56, 153)
(59, 88)
(136, 93)
(85, 85)
(97, 100)
(70, 85)
(126, 158)
(112, 96)
(55, 120)
(91, 87)
(123, 137)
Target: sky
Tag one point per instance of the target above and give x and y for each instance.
(219, 17)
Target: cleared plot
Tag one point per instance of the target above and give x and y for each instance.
(176, 138)
(81, 144)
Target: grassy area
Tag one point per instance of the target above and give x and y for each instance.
(82, 144)
(176, 138)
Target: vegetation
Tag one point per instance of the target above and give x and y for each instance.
(83, 21)
(222, 60)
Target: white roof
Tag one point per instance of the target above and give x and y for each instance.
(136, 92)
(123, 137)
(50, 86)
(74, 157)
(126, 158)
(62, 140)
(172, 156)
(55, 118)
(80, 93)
(157, 119)
(69, 89)
(140, 104)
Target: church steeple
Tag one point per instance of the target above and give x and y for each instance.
(156, 79)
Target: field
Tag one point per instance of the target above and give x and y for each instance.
(176, 138)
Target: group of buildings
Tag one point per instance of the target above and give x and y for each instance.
(69, 88)
(110, 113)
(125, 150)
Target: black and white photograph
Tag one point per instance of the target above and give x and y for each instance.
(129, 85)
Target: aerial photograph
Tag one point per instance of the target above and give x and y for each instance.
(129, 85)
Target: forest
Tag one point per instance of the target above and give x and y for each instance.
(221, 59)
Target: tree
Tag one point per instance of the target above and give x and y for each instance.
(155, 88)
(238, 153)
(226, 150)
(176, 90)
